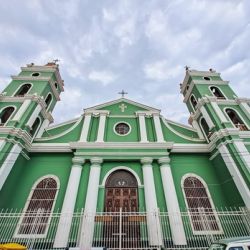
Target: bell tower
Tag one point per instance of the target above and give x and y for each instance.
(25, 111)
(223, 120)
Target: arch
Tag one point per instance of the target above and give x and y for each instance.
(35, 127)
(23, 90)
(193, 101)
(236, 119)
(48, 99)
(205, 128)
(121, 168)
(199, 204)
(217, 92)
(6, 114)
(38, 207)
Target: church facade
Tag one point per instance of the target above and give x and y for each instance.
(121, 158)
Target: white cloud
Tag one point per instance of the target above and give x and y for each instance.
(161, 70)
(105, 77)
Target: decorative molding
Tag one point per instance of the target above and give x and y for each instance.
(121, 100)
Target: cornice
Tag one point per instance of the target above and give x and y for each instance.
(190, 148)
(147, 113)
(242, 99)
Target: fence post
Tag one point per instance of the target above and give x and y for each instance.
(120, 229)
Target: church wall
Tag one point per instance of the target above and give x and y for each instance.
(182, 164)
(150, 129)
(26, 172)
(227, 183)
(93, 129)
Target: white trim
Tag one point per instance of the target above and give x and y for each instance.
(130, 129)
(237, 114)
(34, 115)
(207, 117)
(63, 123)
(195, 124)
(243, 152)
(10, 117)
(219, 90)
(16, 235)
(235, 173)
(179, 134)
(245, 108)
(121, 100)
(203, 232)
(129, 169)
(219, 112)
(158, 128)
(101, 127)
(180, 124)
(21, 86)
(44, 125)
(142, 128)
(21, 111)
(52, 98)
(61, 134)
(85, 128)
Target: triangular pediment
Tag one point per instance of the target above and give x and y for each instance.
(122, 106)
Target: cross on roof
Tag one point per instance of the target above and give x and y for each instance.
(56, 60)
(123, 93)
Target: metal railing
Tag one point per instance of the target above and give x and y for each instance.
(124, 230)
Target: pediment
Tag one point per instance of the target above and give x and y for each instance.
(122, 106)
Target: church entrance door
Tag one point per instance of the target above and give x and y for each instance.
(121, 200)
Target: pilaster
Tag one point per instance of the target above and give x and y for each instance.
(85, 127)
(21, 110)
(101, 127)
(158, 128)
(44, 125)
(142, 125)
(34, 116)
(176, 224)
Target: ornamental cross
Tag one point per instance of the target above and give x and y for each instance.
(122, 107)
(123, 93)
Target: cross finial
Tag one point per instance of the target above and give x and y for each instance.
(122, 93)
(186, 68)
(56, 60)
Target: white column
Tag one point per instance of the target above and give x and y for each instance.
(44, 125)
(64, 225)
(245, 107)
(101, 127)
(198, 129)
(243, 152)
(142, 125)
(219, 113)
(236, 175)
(88, 221)
(85, 127)
(175, 220)
(153, 221)
(2, 144)
(21, 110)
(9, 163)
(158, 128)
(207, 117)
(34, 115)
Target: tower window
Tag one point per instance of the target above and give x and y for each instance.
(23, 89)
(39, 207)
(199, 205)
(236, 120)
(205, 127)
(5, 115)
(35, 74)
(216, 92)
(206, 78)
(193, 101)
(35, 127)
(48, 99)
(56, 85)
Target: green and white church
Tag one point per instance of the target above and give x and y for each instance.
(120, 159)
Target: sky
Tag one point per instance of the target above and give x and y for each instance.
(136, 45)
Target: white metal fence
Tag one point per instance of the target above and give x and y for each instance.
(123, 230)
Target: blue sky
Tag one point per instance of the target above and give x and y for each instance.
(139, 46)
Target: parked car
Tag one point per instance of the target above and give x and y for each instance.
(238, 243)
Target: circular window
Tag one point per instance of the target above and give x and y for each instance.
(35, 74)
(122, 128)
(206, 78)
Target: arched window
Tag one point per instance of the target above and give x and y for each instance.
(5, 115)
(236, 120)
(199, 205)
(205, 127)
(193, 101)
(23, 89)
(48, 99)
(35, 127)
(216, 92)
(39, 207)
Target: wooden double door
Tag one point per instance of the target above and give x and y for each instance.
(121, 201)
